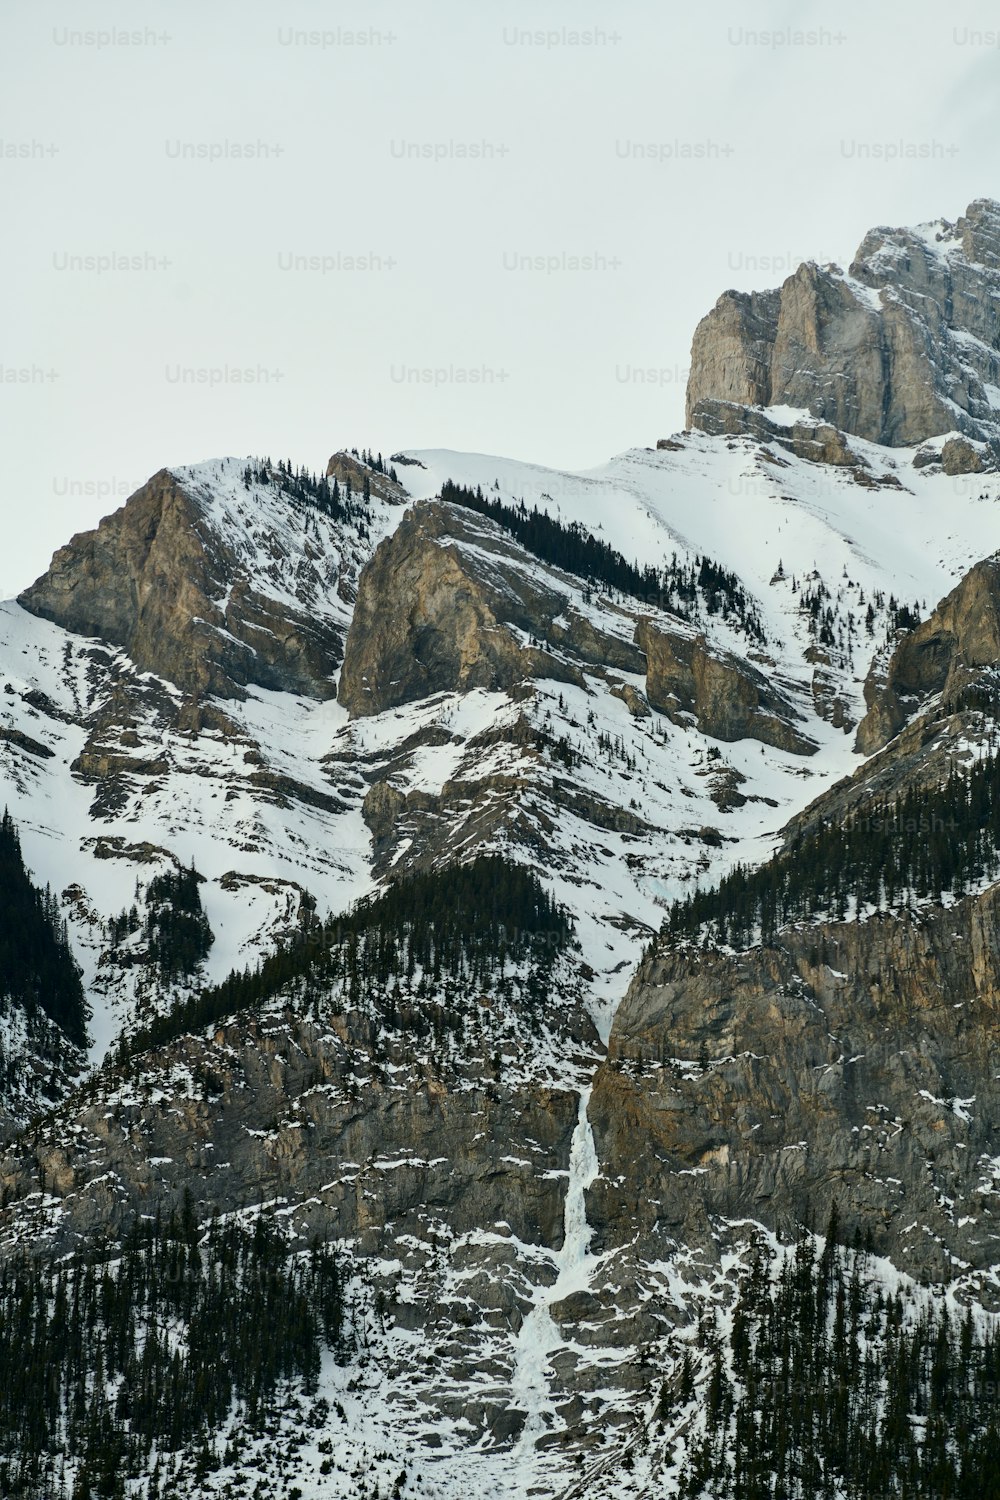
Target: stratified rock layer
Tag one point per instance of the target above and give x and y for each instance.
(853, 1063)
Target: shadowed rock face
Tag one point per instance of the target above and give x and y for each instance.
(157, 580)
(250, 1073)
(852, 1063)
(903, 347)
(958, 639)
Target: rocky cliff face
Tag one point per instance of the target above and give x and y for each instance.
(815, 441)
(849, 1064)
(352, 472)
(471, 609)
(330, 1109)
(175, 578)
(903, 346)
(537, 1224)
(942, 655)
(442, 1162)
(728, 699)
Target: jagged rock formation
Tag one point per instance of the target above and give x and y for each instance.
(847, 1063)
(448, 1139)
(903, 346)
(444, 1167)
(958, 456)
(275, 1106)
(164, 579)
(940, 655)
(473, 610)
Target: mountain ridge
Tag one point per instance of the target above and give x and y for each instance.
(557, 1148)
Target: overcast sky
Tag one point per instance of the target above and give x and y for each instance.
(232, 227)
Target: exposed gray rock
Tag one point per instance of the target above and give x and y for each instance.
(817, 442)
(467, 605)
(291, 1106)
(633, 700)
(961, 636)
(727, 697)
(902, 347)
(156, 579)
(851, 1063)
(958, 456)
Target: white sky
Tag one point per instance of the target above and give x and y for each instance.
(781, 132)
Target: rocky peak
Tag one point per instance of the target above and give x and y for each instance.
(213, 582)
(902, 347)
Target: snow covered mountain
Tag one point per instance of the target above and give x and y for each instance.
(255, 704)
(144, 773)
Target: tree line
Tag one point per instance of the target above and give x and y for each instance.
(308, 489)
(680, 588)
(109, 1365)
(925, 844)
(465, 923)
(826, 1385)
(37, 967)
(376, 462)
(175, 929)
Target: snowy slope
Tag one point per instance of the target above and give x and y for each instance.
(721, 498)
(267, 800)
(780, 526)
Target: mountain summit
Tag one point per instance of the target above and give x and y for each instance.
(499, 975)
(901, 347)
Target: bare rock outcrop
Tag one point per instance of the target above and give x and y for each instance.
(958, 456)
(816, 442)
(727, 697)
(352, 472)
(902, 347)
(852, 1063)
(278, 1109)
(470, 609)
(473, 610)
(158, 579)
(961, 637)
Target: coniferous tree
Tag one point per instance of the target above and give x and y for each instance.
(37, 967)
(680, 588)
